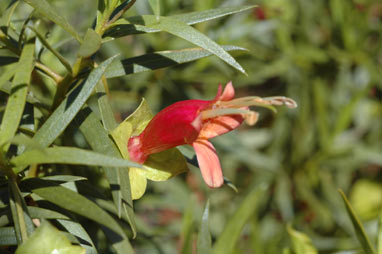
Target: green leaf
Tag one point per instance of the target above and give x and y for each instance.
(98, 139)
(21, 220)
(188, 228)
(90, 44)
(184, 31)
(157, 60)
(42, 213)
(47, 240)
(301, 243)
(54, 15)
(155, 6)
(64, 178)
(202, 16)
(203, 245)
(75, 229)
(69, 107)
(105, 109)
(7, 236)
(232, 230)
(358, 227)
(76, 203)
(135, 25)
(19, 90)
(7, 74)
(69, 155)
(158, 167)
(367, 208)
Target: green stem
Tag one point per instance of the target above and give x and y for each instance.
(56, 77)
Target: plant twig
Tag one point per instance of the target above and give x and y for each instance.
(57, 78)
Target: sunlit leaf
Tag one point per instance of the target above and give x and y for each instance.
(366, 208)
(17, 99)
(301, 243)
(47, 240)
(90, 44)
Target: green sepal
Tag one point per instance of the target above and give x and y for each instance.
(158, 167)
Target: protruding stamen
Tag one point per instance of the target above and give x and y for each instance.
(206, 114)
(258, 101)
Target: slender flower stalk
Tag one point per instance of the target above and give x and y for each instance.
(194, 122)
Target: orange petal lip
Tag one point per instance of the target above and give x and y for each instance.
(209, 163)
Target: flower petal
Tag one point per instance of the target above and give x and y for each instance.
(220, 125)
(228, 93)
(209, 163)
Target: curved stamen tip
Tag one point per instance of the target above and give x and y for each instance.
(280, 100)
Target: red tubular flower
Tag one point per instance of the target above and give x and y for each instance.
(194, 122)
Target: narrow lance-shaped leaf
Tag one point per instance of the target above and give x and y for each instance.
(7, 74)
(158, 60)
(358, 227)
(69, 155)
(202, 16)
(99, 141)
(76, 229)
(231, 233)
(105, 109)
(204, 237)
(7, 236)
(134, 25)
(17, 98)
(6, 16)
(21, 219)
(54, 15)
(184, 31)
(74, 202)
(43, 213)
(69, 107)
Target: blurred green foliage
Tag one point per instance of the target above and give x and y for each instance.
(326, 55)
